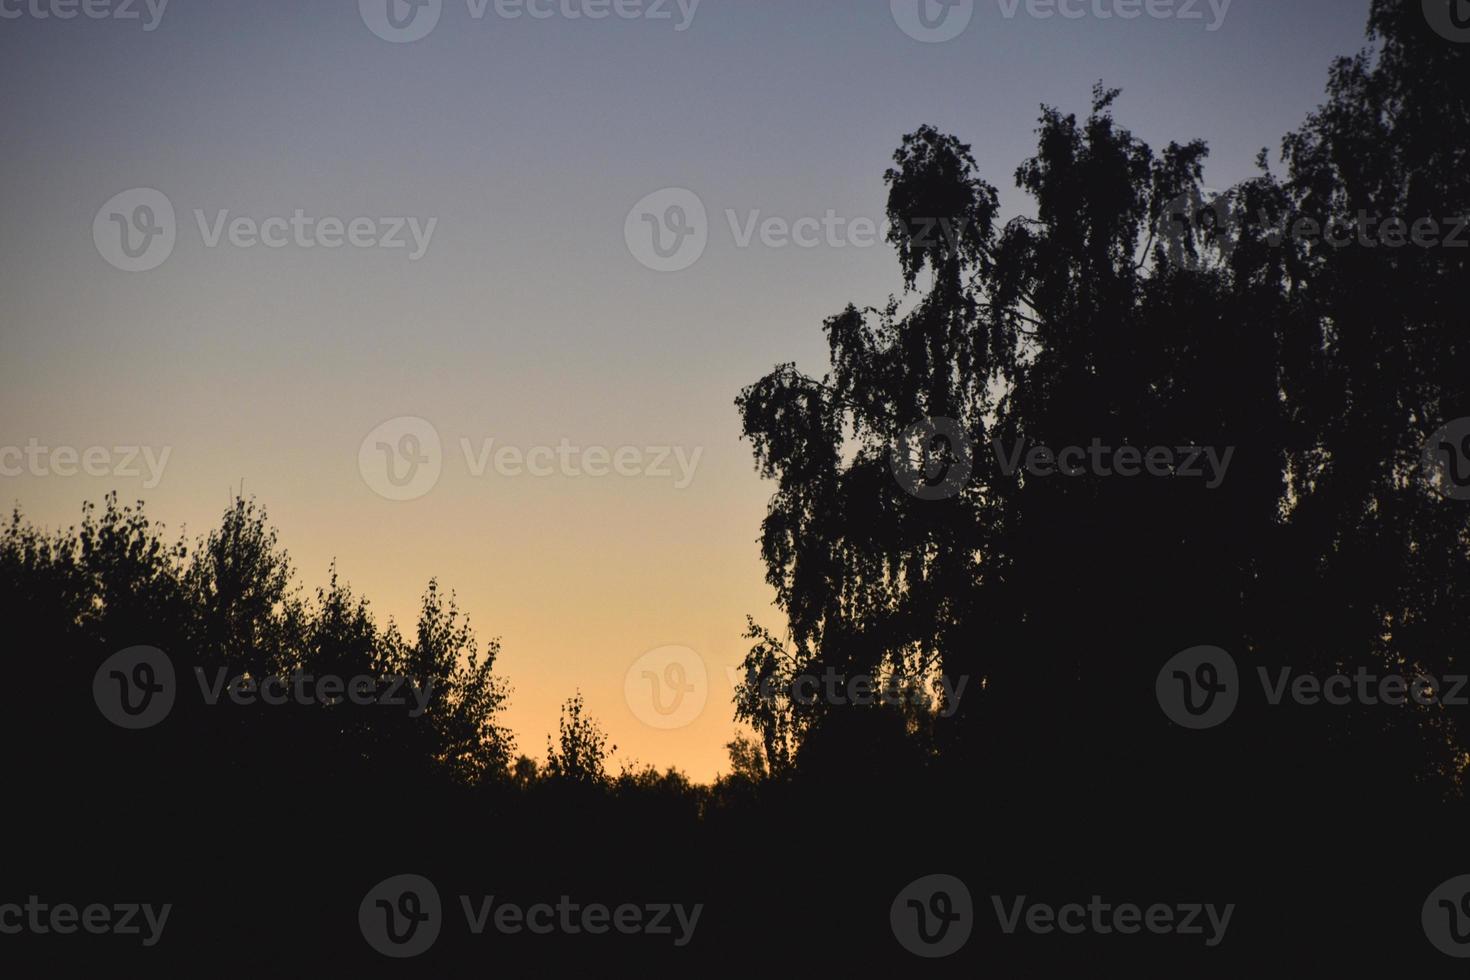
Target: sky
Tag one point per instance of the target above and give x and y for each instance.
(385, 250)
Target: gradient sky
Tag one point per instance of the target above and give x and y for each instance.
(527, 320)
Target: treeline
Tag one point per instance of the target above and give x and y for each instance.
(228, 612)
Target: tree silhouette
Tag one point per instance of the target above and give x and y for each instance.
(1133, 308)
(580, 754)
(1130, 307)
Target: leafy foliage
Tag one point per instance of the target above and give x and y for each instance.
(1103, 316)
